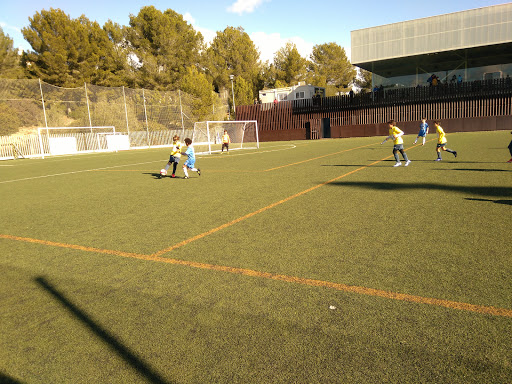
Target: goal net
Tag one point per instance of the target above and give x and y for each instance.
(243, 134)
(72, 140)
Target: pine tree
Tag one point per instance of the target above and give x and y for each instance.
(232, 52)
(67, 52)
(165, 46)
(291, 67)
(331, 68)
(10, 63)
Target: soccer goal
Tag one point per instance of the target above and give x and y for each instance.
(242, 133)
(71, 140)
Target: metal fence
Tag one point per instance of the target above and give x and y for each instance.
(148, 117)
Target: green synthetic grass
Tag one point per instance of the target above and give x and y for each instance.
(431, 230)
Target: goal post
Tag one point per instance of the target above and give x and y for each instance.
(73, 140)
(243, 134)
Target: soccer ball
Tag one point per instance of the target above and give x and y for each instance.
(163, 172)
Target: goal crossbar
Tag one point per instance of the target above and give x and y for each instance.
(72, 140)
(241, 133)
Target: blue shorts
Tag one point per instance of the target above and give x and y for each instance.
(190, 163)
(174, 159)
(422, 134)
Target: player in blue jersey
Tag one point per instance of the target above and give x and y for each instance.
(423, 131)
(191, 159)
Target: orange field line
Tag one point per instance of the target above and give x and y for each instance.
(242, 218)
(316, 158)
(263, 170)
(488, 310)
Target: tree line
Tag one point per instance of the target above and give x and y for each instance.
(161, 51)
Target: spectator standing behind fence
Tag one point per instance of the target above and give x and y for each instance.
(441, 142)
(459, 79)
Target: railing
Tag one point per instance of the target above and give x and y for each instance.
(452, 101)
(388, 97)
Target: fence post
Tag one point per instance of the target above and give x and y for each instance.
(44, 109)
(146, 115)
(89, 113)
(181, 113)
(45, 121)
(126, 114)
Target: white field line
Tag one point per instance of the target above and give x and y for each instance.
(73, 172)
(123, 165)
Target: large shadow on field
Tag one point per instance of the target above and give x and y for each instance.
(8, 380)
(384, 186)
(504, 202)
(124, 352)
(475, 170)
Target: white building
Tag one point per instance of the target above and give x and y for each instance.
(295, 92)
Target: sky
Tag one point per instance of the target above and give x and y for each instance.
(269, 23)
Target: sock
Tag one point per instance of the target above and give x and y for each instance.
(438, 155)
(404, 155)
(449, 150)
(166, 167)
(194, 169)
(396, 157)
(423, 140)
(174, 165)
(185, 171)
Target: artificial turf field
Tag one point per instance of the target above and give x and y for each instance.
(299, 262)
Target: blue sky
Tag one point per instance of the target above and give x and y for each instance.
(269, 23)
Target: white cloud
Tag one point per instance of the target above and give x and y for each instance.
(208, 34)
(6, 26)
(244, 6)
(188, 17)
(269, 44)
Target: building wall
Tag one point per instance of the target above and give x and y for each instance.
(284, 121)
(290, 93)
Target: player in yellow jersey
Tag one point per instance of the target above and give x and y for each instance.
(441, 141)
(174, 159)
(396, 134)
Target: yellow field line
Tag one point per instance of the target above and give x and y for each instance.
(488, 310)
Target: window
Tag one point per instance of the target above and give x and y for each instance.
(299, 95)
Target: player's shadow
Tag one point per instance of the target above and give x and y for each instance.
(139, 365)
(385, 186)
(504, 202)
(156, 175)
